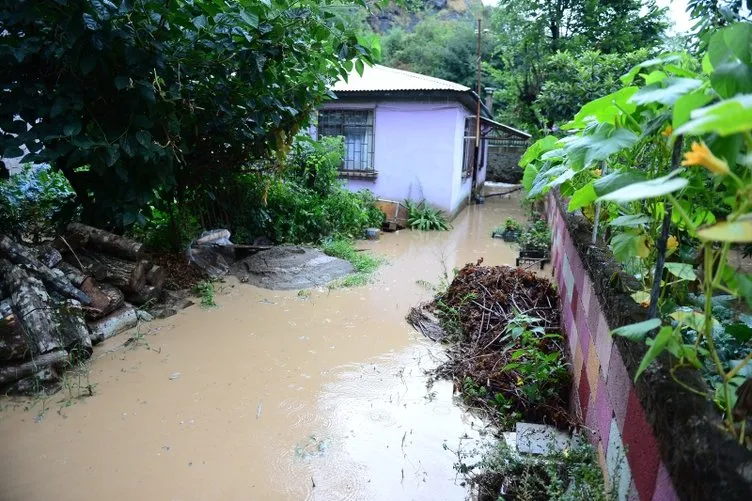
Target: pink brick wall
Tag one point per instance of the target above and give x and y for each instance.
(603, 394)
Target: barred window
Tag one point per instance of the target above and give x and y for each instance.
(356, 126)
(468, 157)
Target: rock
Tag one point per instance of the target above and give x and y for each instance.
(144, 316)
(540, 439)
(290, 267)
(172, 303)
(213, 252)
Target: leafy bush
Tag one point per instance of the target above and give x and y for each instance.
(423, 217)
(512, 225)
(304, 203)
(36, 203)
(536, 237)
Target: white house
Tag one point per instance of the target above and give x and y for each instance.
(410, 136)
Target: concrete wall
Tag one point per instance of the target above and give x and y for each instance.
(503, 164)
(418, 152)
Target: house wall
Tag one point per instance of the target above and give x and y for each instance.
(417, 151)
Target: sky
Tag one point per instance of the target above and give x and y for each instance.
(677, 13)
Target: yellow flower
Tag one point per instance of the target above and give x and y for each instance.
(597, 172)
(667, 131)
(701, 155)
(672, 243)
(520, 382)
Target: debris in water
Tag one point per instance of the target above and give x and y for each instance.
(258, 410)
(174, 376)
(313, 484)
(475, 312)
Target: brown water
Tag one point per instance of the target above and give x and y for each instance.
(270, 396)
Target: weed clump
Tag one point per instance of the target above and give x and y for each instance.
(205, 291)
(365, 264)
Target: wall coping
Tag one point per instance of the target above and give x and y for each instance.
(702, 460)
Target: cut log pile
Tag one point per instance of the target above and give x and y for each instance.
(56, 301)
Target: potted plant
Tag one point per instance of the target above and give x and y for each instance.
(535, 241)
(510, 232)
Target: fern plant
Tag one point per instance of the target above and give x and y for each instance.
(423, 217)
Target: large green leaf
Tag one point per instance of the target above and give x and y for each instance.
(657, 347)
(686, 104)
(582, 197)
(631, 221)
(604, 109)
(617, 180)
(732, 78)
(736, 231)
(666, 92)
(528, 177)
(537, 149)
(646, 189)
(683, 271)
(638, 331)
(604, 140)
(724, 118)
(629, 77)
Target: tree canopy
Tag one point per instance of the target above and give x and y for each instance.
(132, 100)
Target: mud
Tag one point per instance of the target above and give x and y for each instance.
(270, 396)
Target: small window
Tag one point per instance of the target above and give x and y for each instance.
(356, 126)
(468, 159)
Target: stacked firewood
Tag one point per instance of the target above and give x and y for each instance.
(58, 300)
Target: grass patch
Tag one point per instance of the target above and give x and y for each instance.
(205, 291)
(364, 263)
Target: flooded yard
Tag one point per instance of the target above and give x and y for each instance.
(270, 396)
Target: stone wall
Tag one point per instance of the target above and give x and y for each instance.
(503, 164)
(655, 441)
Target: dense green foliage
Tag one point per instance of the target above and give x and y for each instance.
(36, 203)
(304, 202)
(150, 101)
(672, 223)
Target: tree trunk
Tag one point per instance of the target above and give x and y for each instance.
(48, 256)
(122, 320)
(146, 294)
(31, 304)
(105, 298)
(72, 273)
(87, 265)
(105, 241)
(127, 276)
(72, 330)
(156, 277)
(12, 340)
(19, 254)
(54, 359)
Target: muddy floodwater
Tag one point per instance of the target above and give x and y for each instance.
(270, 396)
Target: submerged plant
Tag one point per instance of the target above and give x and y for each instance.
(423, 217)
(205, 291)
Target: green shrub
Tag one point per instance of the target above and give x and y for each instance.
(36, 203)
(423, 217)
(536, 237)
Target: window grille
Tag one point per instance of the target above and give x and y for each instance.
(356, 126)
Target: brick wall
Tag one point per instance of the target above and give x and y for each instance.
(604, 395)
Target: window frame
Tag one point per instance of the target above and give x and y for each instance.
(369, 156)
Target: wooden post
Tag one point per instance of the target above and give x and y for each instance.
(474, 185)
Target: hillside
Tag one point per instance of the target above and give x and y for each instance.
(384, 19)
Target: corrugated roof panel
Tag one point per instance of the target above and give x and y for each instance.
(382, 78)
